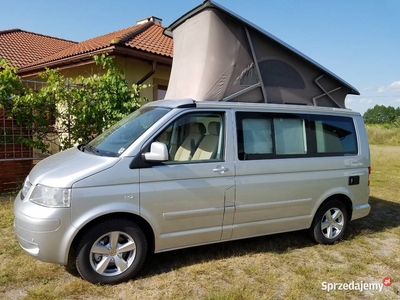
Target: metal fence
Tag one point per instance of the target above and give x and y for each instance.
(11, 133)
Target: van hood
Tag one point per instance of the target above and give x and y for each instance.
(65, 168)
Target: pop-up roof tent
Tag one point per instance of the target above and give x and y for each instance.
(220, 56)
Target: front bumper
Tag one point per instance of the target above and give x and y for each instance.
(41, 231)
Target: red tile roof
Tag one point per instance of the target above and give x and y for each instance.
(152, 40)
(22, 47)
(147, 37)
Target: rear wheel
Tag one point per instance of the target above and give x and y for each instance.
(330, 222)
(111, 252)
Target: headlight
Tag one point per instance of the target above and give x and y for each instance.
(51, 197)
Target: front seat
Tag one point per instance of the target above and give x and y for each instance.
(208, 147)
(189, 145)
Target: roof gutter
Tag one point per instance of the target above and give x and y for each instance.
(140, 54)
(87, 56)
(64, 61)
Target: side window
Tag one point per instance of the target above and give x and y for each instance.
(290, 136)
(195, 137)
(257, 137)
(334, 135)
(268, 135)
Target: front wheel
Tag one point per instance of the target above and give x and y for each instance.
(111, 252)
(329, 222)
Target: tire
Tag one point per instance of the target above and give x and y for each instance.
(111, 252)
(330, 222)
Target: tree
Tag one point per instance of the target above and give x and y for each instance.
(381, 114)
(10, 87)
(10, 84)
(72, 110)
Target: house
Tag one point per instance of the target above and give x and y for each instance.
(142, 51)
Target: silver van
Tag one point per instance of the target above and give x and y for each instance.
(177, 174)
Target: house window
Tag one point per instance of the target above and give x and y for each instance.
(159, 88)
(161, 91)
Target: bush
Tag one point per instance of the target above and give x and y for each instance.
(383, 134)
(73, 110)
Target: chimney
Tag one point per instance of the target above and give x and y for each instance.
(153, 19)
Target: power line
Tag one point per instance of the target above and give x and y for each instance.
(395, 96)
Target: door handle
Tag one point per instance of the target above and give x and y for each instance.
(220, 170)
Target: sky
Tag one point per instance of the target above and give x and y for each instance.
(358, 40)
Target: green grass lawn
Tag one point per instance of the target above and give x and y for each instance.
(282, 266)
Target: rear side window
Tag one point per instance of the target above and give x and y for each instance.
(284, 135)
(264, 135)
(333, 135)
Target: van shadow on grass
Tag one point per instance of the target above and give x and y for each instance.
(278, 243)
(384, 215)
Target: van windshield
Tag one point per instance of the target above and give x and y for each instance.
(122, 134)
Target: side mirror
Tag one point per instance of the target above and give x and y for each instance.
(158, 152)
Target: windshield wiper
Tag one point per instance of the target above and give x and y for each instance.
(82, 146)
(91, 149)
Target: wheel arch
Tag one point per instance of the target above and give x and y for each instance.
(345, 199)
(138, 220)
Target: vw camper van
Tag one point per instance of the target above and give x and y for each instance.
(177, 174)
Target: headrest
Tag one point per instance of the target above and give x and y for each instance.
(198, 128)
(213, 128)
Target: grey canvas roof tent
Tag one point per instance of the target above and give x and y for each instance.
(220, 56)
